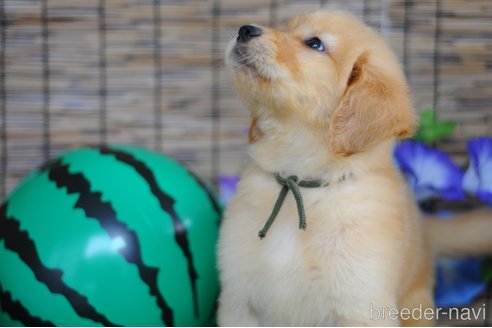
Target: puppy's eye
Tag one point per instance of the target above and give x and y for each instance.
(315, 43)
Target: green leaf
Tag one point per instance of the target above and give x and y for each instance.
(427, 117)
(432, 130)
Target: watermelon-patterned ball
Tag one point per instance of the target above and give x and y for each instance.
(114, 235)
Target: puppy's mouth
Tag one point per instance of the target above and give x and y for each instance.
(253, 61)
(243, 59)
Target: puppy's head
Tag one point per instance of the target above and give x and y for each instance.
(326, 70)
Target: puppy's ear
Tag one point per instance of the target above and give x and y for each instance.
(254, 131)
(375, 107)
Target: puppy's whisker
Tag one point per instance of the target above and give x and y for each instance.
(246, 58)
(248, 63)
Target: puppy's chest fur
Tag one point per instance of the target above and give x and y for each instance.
(296, 277)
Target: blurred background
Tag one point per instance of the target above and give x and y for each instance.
(151, 73)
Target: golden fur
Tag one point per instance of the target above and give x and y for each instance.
(331, 115)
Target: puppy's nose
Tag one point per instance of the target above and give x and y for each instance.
(247, 32)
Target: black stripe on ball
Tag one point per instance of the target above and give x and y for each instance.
(94, 207)
(167, 204)
(19, 242)
(18, 312)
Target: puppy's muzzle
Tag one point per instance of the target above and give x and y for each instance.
(248, 32)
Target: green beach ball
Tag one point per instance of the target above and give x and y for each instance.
(107, 236)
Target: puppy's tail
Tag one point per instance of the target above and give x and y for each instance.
(466, 234)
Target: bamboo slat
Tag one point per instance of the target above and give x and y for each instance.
(202, 121)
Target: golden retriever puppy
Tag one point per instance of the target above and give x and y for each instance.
(344, 237)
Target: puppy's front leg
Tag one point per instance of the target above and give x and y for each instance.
(235, 311)
(369, 293)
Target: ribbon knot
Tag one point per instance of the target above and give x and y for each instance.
(290, 183)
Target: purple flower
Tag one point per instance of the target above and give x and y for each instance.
(227, 187)
(430, 173)
(478, 177)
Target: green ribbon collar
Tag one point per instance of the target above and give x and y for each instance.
(291, 183)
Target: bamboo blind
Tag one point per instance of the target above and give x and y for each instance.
(151, 73)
